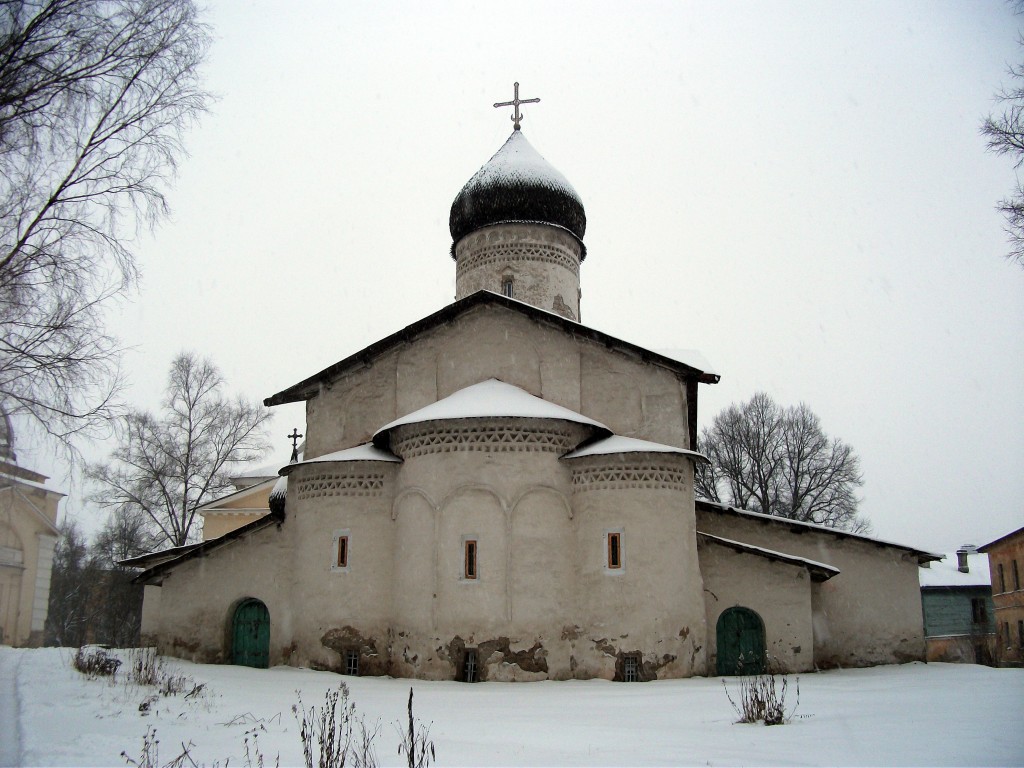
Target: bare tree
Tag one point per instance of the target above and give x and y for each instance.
(167, 466)
(94, 98)
(779, 461)
(1005, 135)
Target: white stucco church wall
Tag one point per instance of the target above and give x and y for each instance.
(498, 492)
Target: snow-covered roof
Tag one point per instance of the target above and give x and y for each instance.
(691, 357)
(619, 444)
(490, 399)
(945, 573)
(312, 385)
(361, 452)
(717, 506)
(29, 483)
(824, 570)
(517, 184)
(247, 491)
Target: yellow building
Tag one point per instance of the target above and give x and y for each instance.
(28, 533)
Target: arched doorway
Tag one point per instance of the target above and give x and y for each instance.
(741, 646)
(250, 634)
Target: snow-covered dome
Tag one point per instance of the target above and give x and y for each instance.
(517, 185)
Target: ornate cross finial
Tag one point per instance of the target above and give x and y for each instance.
(294, 437)
(516, 101)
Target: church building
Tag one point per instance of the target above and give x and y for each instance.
(499, 492)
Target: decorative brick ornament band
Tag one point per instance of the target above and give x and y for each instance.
(339, 484)
(489, 437)
(646, 476)
(510, 252)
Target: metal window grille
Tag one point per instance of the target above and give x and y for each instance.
(631, 669)
(352, 662)
(469, 667)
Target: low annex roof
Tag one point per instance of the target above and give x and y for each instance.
(490, 398)
(818, 571)
(946, 573)
(308, 387)
(620, 444)
(798, 526)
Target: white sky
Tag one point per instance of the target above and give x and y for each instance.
(799, 190)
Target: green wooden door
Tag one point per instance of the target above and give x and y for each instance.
(741, 647)
(250, 635)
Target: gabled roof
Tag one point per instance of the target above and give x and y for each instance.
(309, 387)
(1000, 540)
(797, 526)
(818, 571)
(212, 506)
(159, 563)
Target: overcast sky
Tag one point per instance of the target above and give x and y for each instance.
(798, 190)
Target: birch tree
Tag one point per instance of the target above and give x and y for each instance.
(95, 96)
(168, 465)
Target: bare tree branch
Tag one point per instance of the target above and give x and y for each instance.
(1005, 136)
(167, 467)
(95, 96)
(779, 462)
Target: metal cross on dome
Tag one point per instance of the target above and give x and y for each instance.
(516, 101)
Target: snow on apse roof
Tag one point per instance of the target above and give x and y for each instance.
(489, 399)
(691, 357)
(361, 452)
(619, 444)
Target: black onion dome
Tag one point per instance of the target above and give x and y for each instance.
(516, 185)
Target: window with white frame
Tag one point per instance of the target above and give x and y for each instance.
(341, 550)
(614, 554)
(470, 558)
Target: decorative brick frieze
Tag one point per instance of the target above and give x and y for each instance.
(341, 484)
(491, 437)
(501, 253)
(648, 476)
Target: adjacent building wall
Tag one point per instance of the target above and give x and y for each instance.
(1006, 562)
(869, 614)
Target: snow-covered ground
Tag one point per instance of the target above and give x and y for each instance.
(915, 714)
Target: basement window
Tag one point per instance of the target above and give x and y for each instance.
(631, 668)
(469, 672)
(352, 662)
(340, 550)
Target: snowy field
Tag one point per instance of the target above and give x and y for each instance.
(915, 714)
